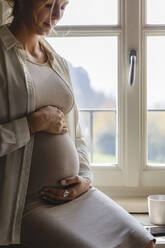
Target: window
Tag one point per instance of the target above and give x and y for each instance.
(124, 125)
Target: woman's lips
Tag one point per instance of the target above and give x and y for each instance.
(47, 24)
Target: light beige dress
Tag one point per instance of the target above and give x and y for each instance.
(91, 221)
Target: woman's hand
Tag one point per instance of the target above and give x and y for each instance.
(48, 119)
(76, 186)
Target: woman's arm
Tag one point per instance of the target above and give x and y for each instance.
(16, 133)
(83, 154)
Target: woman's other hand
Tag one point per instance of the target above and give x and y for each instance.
(49, 119)
(75, 187)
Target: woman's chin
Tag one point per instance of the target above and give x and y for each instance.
(44, 31)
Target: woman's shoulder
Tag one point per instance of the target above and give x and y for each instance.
(7, 39)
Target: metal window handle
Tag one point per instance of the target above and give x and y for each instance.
(132, 71)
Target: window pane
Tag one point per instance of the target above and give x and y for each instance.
(156, 138)
(104, 137)
(91, 12)
(155, 12)
(94, 72)
(155, 72)
(156, 100)
(99, 129)
(85, 120)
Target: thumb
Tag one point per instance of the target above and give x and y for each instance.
(70, 180)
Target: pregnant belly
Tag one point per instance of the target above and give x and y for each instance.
(54, 158)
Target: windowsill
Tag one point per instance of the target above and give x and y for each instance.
(133, 204)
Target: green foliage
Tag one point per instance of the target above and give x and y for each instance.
(103, 158)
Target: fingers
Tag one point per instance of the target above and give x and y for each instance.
(61, 127)
(58, 111)
(54, 119)
(77, 187)
(54, 194)
(64, 128)
(64, 125)
(52, 110)
(61, 114)
(70, 180)
(57, 195)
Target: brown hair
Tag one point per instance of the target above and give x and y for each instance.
(14, 4)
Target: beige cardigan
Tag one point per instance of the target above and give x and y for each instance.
(17, 99)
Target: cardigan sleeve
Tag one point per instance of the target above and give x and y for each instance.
(83, 154)
(13, 135)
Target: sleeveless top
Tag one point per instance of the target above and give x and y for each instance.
(54, 155)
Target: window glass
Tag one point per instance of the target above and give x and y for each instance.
(93, 63)
(156, 138)
(156, 99)
(155, 11)
(91, 12)
(104, 150)
(155, 72)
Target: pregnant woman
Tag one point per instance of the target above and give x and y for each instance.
(46, 198)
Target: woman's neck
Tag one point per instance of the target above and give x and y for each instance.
(29, 41)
